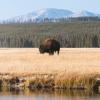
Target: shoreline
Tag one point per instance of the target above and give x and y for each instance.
(48, 81)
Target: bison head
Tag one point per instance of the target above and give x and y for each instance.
(41, 49)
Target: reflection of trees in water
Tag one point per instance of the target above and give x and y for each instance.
(16, 91)
(48, 92)
(61, 92)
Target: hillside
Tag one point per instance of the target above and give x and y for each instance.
(69, 34)
(50, 15)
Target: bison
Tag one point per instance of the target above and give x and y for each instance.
(50, 46)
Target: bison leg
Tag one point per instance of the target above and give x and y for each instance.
(51, 52)
(58, 52)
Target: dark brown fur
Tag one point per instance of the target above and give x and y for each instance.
(50, 46)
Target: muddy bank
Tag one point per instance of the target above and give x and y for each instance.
(49, 81)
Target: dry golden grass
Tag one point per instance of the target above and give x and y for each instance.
(76, 60)
(73, 67)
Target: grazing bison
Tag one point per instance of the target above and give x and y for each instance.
(49, 46)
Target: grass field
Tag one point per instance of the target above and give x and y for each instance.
(84, 60)
(73, 67)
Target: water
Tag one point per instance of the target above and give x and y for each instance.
(48, 95)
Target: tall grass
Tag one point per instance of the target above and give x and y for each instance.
(73, 68)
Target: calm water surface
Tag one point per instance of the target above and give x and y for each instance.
(48, 95)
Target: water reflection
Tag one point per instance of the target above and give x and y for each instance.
(47, 94)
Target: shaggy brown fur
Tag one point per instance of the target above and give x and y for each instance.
(50, 46)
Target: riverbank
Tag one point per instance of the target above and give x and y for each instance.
(74, 68)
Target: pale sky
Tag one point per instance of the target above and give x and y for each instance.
(12, 8)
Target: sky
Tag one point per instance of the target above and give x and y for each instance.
(12, 8)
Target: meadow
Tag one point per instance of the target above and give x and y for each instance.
(72, 68)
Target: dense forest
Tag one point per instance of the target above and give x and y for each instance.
(85, 33)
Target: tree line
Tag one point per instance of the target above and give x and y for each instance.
(69, 34)
(46, 20)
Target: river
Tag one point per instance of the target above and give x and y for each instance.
(48, 95)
